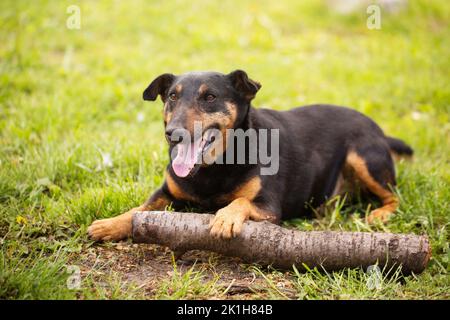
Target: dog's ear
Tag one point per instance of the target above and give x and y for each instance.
(159, 86)
(243, 84)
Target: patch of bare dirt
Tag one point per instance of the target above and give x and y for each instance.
(147, 265)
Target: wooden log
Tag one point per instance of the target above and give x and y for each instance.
(269, 244)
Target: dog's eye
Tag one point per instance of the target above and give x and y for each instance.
(210, 97)
(173, 97)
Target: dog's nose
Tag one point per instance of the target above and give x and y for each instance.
(174, 134)
(169, 132)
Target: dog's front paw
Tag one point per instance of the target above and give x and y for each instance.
(117, 228)
(380, 215)
(227, 222)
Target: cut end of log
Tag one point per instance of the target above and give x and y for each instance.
(269, 244)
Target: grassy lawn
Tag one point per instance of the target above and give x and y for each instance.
(77, 142)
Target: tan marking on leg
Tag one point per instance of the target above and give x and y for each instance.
(388, 199)
(248, 190)
(118, 228)
(176, 191)
(228, 221)
(157, 204)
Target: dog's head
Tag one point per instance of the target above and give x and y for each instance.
(199, 107)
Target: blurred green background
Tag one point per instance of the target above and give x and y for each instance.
(77, 142)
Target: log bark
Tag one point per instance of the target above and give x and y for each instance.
(268, 244)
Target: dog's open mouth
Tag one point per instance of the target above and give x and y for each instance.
(189, 155)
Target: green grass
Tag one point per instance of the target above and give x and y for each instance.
(70, 98)
(188, 284)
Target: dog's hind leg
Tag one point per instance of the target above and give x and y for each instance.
(374, 167)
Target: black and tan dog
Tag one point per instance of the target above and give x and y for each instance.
(321, 149)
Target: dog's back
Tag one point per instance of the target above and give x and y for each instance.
(315, 142)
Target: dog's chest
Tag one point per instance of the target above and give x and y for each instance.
(216, 195)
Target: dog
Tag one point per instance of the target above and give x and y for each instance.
(322, 148)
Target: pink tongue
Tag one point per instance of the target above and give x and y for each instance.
(186, 158)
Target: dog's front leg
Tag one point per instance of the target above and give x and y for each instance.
(119, 227)
(228, 221)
